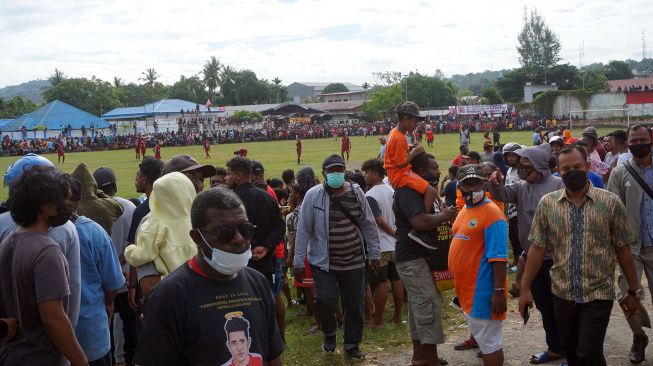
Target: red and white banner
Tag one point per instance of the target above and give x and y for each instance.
(478, 108)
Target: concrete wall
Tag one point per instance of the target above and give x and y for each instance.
(565, 103)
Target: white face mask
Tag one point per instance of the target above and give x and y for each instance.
(224, 262)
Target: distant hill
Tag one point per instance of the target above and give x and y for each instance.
(477, 81)
(32, 90)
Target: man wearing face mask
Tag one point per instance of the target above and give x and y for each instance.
(334, 219)
(586, 230)
(639, 205)
(536, 181)
(34, 286)
(221, 289)
(65, 234)
(477, 261)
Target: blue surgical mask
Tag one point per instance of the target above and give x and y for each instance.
(335, 180)
(225, 262)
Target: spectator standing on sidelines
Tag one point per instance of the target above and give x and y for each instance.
(633, 183)
(334, 219)
(380, 198)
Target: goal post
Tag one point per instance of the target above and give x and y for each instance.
(601, 114)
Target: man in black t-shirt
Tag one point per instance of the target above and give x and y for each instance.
(415, 262)
(186, 313)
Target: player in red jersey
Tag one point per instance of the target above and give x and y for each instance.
(298, 144)
(157, 151)
(345, 147)
(207, 148)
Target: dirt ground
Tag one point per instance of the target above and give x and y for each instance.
(521, 341)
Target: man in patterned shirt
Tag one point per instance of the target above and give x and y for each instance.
(585, 229)
(640, 216)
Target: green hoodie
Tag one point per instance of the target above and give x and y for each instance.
(95, 204)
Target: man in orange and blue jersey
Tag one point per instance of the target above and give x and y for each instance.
(477, 260)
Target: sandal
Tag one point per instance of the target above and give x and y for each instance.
(469, 343)
(543, 357)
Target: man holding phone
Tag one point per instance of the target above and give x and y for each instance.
(587, 231)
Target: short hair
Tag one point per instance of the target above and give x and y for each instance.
(219, 198)
(462, 147)
(275, 183)
(571, 148)
(453, 170)
(620, 135)
(240, 165)
(220, 171)
(356, 178)
(375, 166)
(288, 176)
(236, 324)
(36, 187)
(637, 127)
(421, 161)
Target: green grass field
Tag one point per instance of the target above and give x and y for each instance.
(275, 156)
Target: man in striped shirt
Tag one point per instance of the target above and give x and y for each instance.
(334, 219)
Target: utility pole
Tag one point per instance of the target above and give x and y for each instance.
(643, 44)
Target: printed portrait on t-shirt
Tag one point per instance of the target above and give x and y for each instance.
(238, 341)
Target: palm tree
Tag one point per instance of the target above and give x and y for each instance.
(276, 81)
(150, 76)
(365, 85)
(277, 86)
(117, 82)
(57, 77)
(211, 73)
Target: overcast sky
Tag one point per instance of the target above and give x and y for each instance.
(302, 40)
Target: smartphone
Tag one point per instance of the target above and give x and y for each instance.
(527, 314)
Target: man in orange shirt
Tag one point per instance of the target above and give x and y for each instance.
(477, 260)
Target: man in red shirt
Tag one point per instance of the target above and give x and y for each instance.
(298, 144)
(61, 154)
(157, 151)
(459, 160)
(207, 148)
(429, 138)
(345, 147)
(137, 147)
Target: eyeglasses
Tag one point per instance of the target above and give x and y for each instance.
(226, 234)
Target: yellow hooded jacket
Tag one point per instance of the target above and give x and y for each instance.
(163, 237)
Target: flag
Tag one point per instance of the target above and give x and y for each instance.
(220, 109)
(208, 103)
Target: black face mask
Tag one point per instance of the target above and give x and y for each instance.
(63, 215)
(575, 180)
(523, 171)
(640, 150)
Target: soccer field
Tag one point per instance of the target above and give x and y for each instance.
(275, 155)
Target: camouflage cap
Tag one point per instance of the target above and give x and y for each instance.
(410, 108)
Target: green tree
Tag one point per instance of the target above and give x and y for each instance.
(383, 102)
(56, 77)
(387, 78)
(594, 81)
(511, 85)
(211, 74)
(335, 88)
(278, 92)
(617, 70)
(538, 45)
(429, 91)
(365, 85)
(117, 82)
(94, 96)
(15, 107)
(150, 76)
(191, 89)
(492, 95)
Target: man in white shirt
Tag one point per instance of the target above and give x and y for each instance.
(380, 198)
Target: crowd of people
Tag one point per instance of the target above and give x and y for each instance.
(198, 276)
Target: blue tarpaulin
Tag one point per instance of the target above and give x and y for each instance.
(163, 106)
(54, 116)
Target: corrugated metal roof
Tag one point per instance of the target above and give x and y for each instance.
(54, 115)
(163, 106)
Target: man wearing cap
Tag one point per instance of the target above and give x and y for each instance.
(334, 219)
(600, 150)
(536, 181)
(106, 181)
(477, 261)
(187, 165)
(262, 211)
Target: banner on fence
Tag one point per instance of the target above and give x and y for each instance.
(478, 108)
